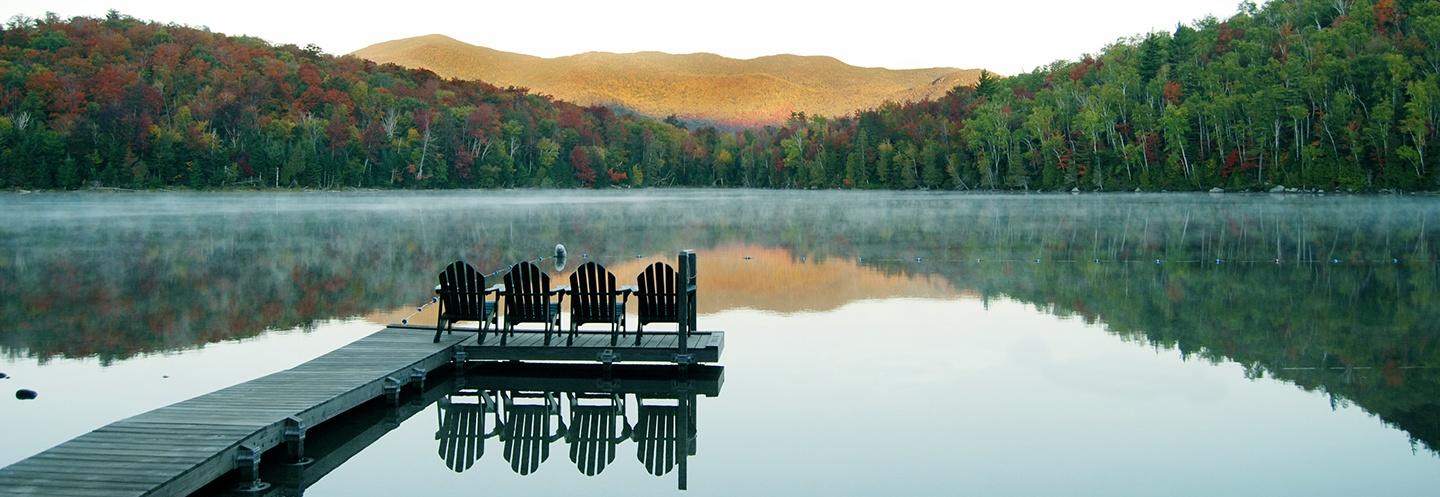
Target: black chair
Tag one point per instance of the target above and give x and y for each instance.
(463, 295)
(462, 431)
(593, 436)
(659, 298)
(527, 298)
(593, 299)
(662, 439)
(526, 428)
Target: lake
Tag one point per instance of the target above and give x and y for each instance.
(877, 343)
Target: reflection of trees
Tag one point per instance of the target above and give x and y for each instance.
(114, 286)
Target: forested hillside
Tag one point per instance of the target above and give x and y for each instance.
(1332, 94)
(697, 87)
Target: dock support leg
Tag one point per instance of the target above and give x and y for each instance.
(249, 462)
(392, 390)
(295, 442)
(417, 376)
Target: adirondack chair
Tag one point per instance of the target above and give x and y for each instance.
(662, 438)
(462, 434)
(463, 295)
(592, 438)
(527, 298)
(525, 431)
(593, 299)
(660, 299)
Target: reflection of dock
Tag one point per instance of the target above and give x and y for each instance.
(180, 448)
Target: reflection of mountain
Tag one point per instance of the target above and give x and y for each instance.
(740, 276)
(74, 284)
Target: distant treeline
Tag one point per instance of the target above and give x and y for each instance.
(1303, 93)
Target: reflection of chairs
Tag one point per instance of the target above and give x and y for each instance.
(462, 295)
(592, 436)
(658, 439)
(526, 431)
(592, 299)
(462, 430)
(527, 298)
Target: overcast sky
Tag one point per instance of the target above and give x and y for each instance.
(1007, 36)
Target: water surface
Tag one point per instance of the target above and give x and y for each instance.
(876, 342)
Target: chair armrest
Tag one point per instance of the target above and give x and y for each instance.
(437, 289)
(496, 288)
(560, 289)
(627, 289)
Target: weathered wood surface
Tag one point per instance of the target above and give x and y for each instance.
(703, 347)
(174, 450)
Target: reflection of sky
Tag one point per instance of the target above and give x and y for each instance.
(998, 401)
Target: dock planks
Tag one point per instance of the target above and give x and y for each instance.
(704, 347)
(175, 450)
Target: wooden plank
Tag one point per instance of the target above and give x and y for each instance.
(179, 448)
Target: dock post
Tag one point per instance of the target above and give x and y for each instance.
(294, 430)
(685, 299)
(248, 459)
(392, 389)
(417, 376)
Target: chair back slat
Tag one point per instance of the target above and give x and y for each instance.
(593, 294)
(462, 290)
(657, 294)
(527, 294)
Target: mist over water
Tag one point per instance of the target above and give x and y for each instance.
(1013, 333)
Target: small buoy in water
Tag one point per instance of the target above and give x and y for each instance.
(919, 259)
(1157, 262)
(1219, 261)
(747, 257)
(1334, 261)
(1392, 261)
(559, 250)
(637, 256)
(860, 259)
(25, 394)
(977, 259)
(802, 258)
(164, 376)
(1277, 261)
(421, 308)
(1097, 260)
(1037, 260)
(434, 299)
(585, 255)
(3, 376)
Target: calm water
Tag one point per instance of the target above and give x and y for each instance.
(877, 343)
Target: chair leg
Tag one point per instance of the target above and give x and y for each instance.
(439, 325)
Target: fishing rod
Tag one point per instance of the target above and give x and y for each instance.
(560, 256)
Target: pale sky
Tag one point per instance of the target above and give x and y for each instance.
(1008, 36)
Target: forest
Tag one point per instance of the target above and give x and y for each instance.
(1339, 95)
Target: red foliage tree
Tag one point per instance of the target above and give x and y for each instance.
(580, 161)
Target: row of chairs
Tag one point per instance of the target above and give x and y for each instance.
(528, 298)
(597, 426)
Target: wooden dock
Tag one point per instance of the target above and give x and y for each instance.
(701, 347)
(175, 450)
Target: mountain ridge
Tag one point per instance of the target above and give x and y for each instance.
(699, 86)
